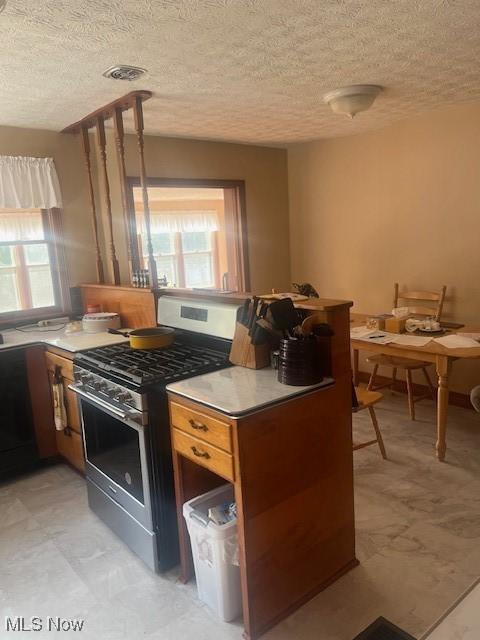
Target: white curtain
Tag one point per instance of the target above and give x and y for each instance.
(181, 221)
(28, 183)
(18, 225)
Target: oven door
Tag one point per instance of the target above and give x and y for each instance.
(117, 455)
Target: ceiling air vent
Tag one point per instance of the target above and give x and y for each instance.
(124, 72)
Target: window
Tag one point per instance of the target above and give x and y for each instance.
(29, 279)
(198, 232)
(185, 259)
(164, 254)
(198, 258)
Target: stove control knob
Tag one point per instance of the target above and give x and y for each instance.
(123, 396)
(99, 385)
(86, 378)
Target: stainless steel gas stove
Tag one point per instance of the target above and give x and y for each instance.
(122, 397)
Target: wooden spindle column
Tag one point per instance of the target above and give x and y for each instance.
(93, 208)
(101, 140)
(138, 116)
(96, 119)
(132, 245)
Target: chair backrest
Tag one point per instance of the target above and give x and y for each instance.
(433, 301)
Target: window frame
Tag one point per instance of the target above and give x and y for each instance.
(51, 221)
(240, 243)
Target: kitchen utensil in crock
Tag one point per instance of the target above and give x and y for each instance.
(284, 314)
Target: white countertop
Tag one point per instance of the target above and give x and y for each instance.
(238, 390)
(56, 337)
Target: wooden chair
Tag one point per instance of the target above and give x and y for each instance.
(432, 307)
(428, 297)
(365, 400)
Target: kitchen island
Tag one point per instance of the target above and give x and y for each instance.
(288, 453)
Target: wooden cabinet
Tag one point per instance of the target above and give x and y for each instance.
(202, 426)
(40, 398)
(203, 454)
(64, 364)
(69, 441)
(291, 466)
(70, 447)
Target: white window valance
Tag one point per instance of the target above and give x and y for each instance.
(18, 226)
(28, 183)
(181, 221)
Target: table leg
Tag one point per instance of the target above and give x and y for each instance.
(355, 367)
(443, 372)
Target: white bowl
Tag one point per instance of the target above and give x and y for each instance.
(97, 322)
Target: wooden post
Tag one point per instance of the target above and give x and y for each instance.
(132, 246)
(103, 157)
(93, 209)
(138, 115)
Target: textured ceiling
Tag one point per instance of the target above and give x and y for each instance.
(244, 70)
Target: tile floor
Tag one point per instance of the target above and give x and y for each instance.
(418, 542)
(462, 622)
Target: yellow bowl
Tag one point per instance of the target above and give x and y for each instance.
(151, 338)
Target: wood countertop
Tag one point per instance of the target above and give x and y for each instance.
(323, 304)
(238, 297)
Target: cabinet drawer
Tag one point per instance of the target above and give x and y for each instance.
(199, 425)
(66, 366)
(70, 446)
(204, 454)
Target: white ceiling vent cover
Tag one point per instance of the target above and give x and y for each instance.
(124, 72)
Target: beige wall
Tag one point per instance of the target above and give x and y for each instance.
(263, 169)
(400, 204)
(65, 150)
(265, 173)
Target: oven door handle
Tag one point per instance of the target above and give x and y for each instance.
(124, 415)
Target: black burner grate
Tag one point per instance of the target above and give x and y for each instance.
(155, 365)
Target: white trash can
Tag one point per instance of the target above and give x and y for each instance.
(215, 554)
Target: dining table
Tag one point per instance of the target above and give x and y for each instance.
(433, 352)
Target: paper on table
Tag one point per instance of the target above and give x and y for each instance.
(412, 341)
(361, 332)
(371, 335)
(456, 342)
(474, 335)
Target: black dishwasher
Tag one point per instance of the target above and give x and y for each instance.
(18, 450)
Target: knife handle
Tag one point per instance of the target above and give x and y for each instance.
(251, 315)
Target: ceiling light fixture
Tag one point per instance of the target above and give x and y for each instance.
(123, 72)
(353, 99)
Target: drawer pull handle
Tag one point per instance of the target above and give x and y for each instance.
(199, 426)
(200, 454)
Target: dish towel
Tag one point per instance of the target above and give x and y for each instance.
(59, 411)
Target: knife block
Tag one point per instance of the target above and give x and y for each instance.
(245, 354)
